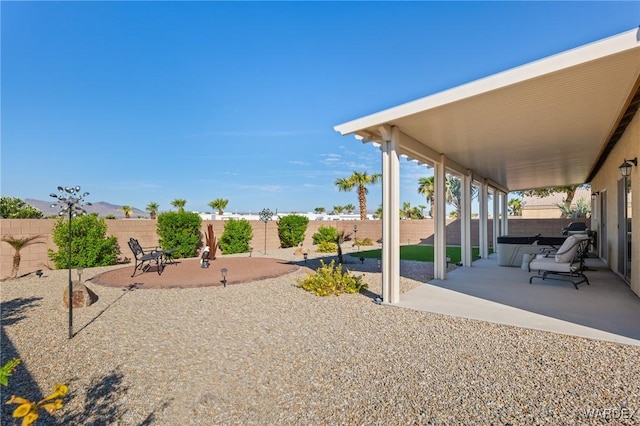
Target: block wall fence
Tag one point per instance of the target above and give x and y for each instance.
(34, 256)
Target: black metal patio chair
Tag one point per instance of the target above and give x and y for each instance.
(143, 259)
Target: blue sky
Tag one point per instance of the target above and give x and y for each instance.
(153, 101)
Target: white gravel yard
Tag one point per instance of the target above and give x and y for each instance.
(269, 353)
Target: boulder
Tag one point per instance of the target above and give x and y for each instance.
(81, 296)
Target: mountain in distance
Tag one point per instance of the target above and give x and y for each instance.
(101, 207)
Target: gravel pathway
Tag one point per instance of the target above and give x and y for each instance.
(267, 352)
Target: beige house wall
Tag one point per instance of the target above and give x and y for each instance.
(607, 181)
(540, 213)
(35, 256)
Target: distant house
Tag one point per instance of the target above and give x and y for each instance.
(547, 207)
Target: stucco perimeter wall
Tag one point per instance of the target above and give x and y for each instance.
(34, 256)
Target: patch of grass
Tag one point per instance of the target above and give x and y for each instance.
(419, 252)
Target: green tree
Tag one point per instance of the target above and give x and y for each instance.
(515, 207)
(90, 245)
(350, 208)
(291, 230)
(319, 210)
(180, 231)
(359, 180)
(152, 208)
(15, 208)
(427, 188)
(337, 209)
(127, 210)
(179, 204)
(453, 188)
(219, 204)
(18, 244)
(569, 191)
(236, 236)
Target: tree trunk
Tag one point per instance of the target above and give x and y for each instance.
(362, 198)
(16, 264)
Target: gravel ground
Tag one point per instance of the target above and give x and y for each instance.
(269, 353)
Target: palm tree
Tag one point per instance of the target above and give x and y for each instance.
(515, 207)
(319, 210)
(338, 209)
(359, 180)
(405, 211)
(152, 208)
(350, 208)
(18, 244)
(219, 204)
(179, 204)
(127, 210)
(453, 187)
(427, 188)
(341, 237)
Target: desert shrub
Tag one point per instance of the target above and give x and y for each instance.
(110, 216)
(363, 242)
(330, 279)
(291, 230)
(325, 233)
(327, 247)
(90, 245)
(180, 231)
(236, 236)
(15, 208)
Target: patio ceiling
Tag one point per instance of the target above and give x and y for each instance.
(543, 124)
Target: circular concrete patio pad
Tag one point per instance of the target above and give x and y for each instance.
(187, 273)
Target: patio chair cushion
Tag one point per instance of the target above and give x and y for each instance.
(568, 249)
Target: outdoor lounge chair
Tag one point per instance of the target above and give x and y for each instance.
(143, 259)
(566, 264)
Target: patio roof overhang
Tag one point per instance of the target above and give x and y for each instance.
(547, 123)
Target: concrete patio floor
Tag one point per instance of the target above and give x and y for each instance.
(606, 309)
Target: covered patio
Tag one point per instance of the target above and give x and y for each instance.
(604, 310)
(552, 122)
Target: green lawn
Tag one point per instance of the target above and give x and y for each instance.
(421, 253)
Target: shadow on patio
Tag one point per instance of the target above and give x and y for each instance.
(605, 310)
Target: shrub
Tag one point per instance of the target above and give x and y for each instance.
(15, 208)
(180, 231)
(327, 247)
(325, 233)
(329, 279)
(236, 236)
(291, 230)
(364, 242)
(90, 245)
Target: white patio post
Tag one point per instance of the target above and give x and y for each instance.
(465, 220)
(484, 207)
(496, 219)
(390, 261)
(505, 213)
(440, 231)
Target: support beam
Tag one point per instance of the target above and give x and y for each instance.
(505, 213)
(465, 220)
(496, 219)
(483, 196)
(440, 213)
(390, 261)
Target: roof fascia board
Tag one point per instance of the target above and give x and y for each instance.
(589, 52)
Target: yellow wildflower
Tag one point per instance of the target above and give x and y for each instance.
(24, 409)
(30, 418)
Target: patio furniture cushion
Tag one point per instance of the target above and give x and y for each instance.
(566, 264)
